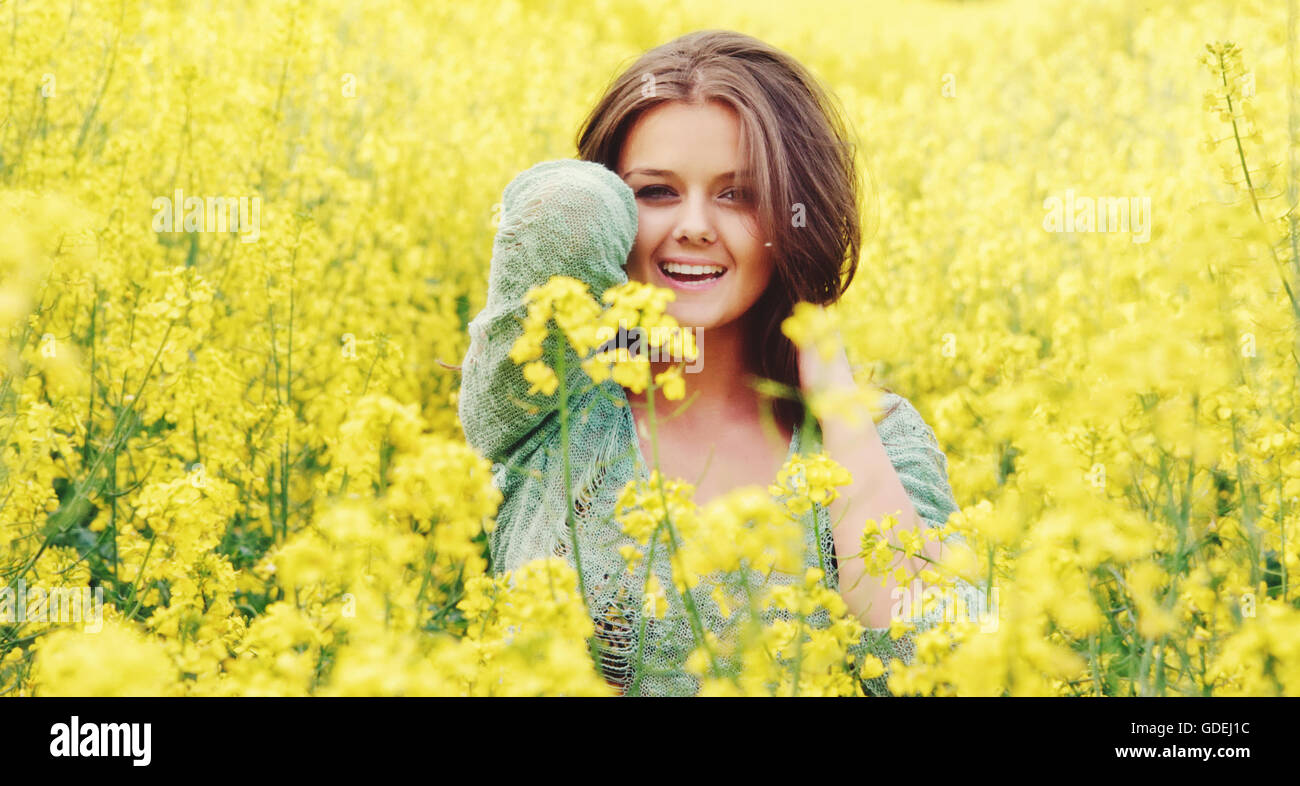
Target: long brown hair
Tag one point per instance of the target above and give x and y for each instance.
(799, 152)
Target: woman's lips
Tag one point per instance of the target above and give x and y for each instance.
(688, 286)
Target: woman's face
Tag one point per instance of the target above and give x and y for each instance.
(696, 212)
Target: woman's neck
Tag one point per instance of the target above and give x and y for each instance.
(717, 381)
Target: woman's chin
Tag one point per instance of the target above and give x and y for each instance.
(693, 317)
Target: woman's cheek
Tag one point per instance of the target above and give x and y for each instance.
(649, 235)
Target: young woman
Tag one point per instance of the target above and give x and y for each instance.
(717, 167)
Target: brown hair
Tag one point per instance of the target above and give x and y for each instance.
(797, 146)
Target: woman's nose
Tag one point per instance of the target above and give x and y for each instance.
(695, 224)
(696, 235)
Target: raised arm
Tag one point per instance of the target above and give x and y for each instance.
(921, 467)
(564, 217)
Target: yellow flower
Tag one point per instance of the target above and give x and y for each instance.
(630, 554)
(674, 386)
(656, 601)
(899, 627)
(541, 378)
(720, 598)
(847, 404)
(811, 324)
(871, 667)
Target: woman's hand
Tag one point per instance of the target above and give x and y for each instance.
(818, 375)
(827, 383)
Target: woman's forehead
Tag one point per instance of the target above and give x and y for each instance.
(686, 140)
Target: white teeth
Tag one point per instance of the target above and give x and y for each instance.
(694, 270)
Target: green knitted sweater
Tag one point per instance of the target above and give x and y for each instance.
(577, 218)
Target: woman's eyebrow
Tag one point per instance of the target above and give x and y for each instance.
(670, 173)
(650, 172)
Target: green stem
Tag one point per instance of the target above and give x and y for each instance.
(1250, 186)
(570, 519)
(697, 627)
(135, 585)
(635, 687)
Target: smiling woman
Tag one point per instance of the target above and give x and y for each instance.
(698, 234)
(726, 139)
(690, 185)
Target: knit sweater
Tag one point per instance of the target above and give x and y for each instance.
(577, 218)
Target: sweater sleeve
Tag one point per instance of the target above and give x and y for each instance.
(920, 463)
(922, 467)
(564, 217)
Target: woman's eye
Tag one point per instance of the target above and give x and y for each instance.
(657, 192)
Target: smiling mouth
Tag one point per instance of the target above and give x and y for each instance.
(692, 274)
